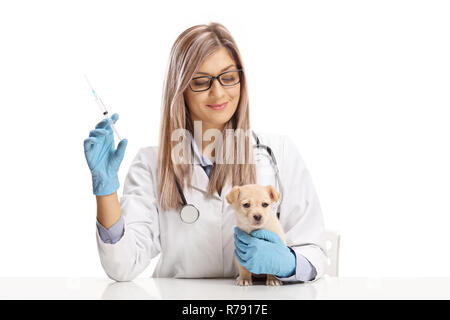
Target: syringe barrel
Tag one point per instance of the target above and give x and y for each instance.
(112, 125)
(115, 130)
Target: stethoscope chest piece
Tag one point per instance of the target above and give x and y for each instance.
(189, 213)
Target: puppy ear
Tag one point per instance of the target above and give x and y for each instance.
(233, 195)
(274, 194)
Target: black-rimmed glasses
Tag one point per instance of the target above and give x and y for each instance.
(226, 79)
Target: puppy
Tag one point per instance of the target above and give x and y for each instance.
(252, 205)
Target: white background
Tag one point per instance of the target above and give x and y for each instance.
(362, 87)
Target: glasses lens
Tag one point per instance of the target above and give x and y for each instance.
(200, 83)
(230, 78)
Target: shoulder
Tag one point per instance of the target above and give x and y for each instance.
(148, 153)
(146, 157)
(270, 139)
(280, 143)
(284, 147)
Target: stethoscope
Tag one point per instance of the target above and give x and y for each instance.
(189, 213)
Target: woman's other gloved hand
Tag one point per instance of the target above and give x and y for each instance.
(102, 159)
(263, 252)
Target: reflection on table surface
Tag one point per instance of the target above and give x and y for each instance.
(223, 289)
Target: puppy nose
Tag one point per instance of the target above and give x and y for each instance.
(257, 217)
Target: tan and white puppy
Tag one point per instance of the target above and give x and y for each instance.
(252, 204)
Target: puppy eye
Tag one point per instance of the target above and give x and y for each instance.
(265, 204)
(247, 205)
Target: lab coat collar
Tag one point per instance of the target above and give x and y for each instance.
(200, 179)
(198, 157)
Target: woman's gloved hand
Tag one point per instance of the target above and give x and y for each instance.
(102, 159)
(263, 252)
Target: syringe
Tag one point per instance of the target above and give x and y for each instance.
(102, 106)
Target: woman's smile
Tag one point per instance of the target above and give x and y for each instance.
(218, 106)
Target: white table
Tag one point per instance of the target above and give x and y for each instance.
(221, 289)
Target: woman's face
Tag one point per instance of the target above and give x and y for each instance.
(198, 102)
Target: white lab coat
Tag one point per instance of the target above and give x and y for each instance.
(206, 248)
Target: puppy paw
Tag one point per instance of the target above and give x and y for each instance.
(243, 282)
(273, 282)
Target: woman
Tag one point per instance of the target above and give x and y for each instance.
(147, 220)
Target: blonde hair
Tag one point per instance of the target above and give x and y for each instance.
(187, 54)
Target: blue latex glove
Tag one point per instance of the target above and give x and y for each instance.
(102, 159)
(263, 252)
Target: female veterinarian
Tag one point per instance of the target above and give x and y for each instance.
(179, 210)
